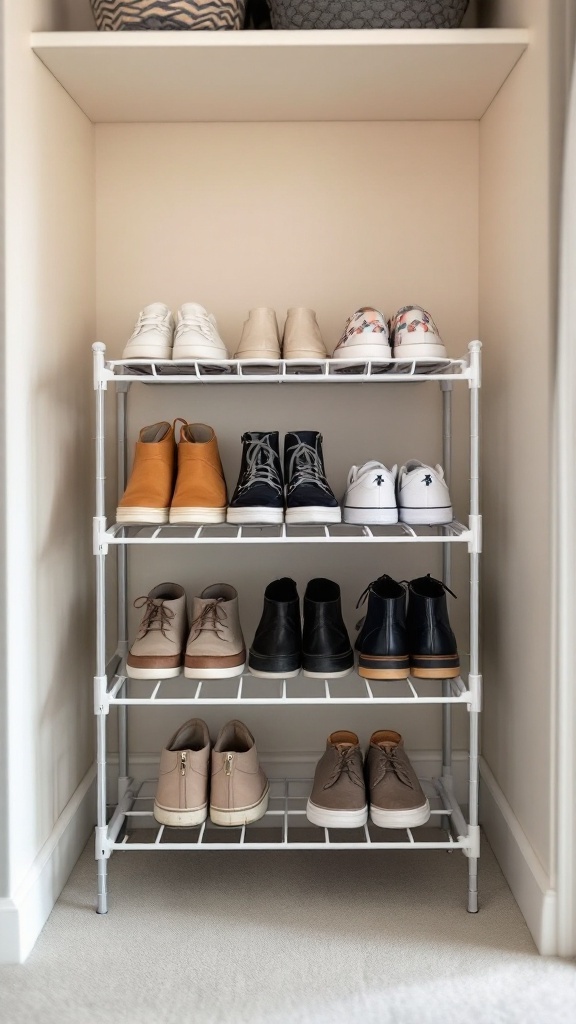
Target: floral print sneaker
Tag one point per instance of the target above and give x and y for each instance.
(414, 334)
(365, 336)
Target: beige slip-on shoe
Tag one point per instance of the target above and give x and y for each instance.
(302, 338)
(182, 791)
(260, 338)
(215, 648)
(239, 787)
(158, 650)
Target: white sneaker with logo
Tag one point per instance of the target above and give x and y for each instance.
(423, 496)
(365, 336)
(371, 495)
(153, 335)
(413, 334)
(197, 334)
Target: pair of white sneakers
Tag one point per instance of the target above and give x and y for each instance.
(417, 495)
(193, 335)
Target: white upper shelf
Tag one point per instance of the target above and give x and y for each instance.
(366, 75)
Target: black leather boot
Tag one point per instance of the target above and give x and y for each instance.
(259, 494)
(276, 651)
(382, 642)
(432, 644)
(326, 650)
(309, 498)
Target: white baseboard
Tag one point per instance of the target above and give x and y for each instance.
(24, 914)
(521, 867)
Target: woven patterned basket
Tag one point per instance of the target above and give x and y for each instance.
(304, 14)
(184, 15)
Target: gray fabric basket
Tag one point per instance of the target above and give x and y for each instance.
(166, 15)
(306, 14)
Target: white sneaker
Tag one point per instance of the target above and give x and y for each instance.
(365, 336)
(197, 334)
(414, 334)
(371, 495)
(153, 335)
(423, 497)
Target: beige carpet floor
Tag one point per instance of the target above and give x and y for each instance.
(287, 938)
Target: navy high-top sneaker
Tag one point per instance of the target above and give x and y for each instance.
(309, 498)
(259, 494)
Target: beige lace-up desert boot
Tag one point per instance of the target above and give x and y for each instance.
(239, 787)
(215, 648)
(182, 791)
(200, 491)
(158, 650)
(260, 337)
(149, 491)
(302, 338)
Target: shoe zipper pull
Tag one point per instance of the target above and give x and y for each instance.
(183, 763)
(228, 764)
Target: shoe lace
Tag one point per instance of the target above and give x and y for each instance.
(306, 468)
(261, 466)
(391, 760)
(149, 322)
(197, 322)
(370, 587)
(347, 762)
(210, 620)
(156, 616)
(406, 583)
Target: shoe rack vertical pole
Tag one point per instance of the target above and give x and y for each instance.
(99, 551)
(122, 587)
(447, 387)
(474, 620)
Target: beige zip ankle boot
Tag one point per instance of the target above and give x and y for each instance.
(302, 338)
(182, 791)
(239, 787)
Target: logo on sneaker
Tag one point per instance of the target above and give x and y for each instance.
(379, 480)
(427, 480)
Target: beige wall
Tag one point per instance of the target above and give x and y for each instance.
(49, 320)
(520, 138)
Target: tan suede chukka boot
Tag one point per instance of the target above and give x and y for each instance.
(338, 798)
(216, 648)
(396, 797)
(149, 491)
(260, 337)
(239, 787)
(158, 650)
(182, 791)
(302, 338)
(200, 492)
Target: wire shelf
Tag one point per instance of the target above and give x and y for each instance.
(285, 371)
(283, 827)
(300, 690)
(341, 533)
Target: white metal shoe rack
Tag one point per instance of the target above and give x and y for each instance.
(288, 797)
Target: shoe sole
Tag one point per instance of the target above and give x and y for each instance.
(383, 667)
(440, 516)
(153, 516)
(153, 673)
(197, 516)
(180, 818)
(410, 818)
(184, 352)
(377, 351)
(328, 818)
(253, 357)
(147, 353)
(240, 815)
(257, 515)
(327, 675)
(410, 352)
(435, 666)
(214, 673)
(313, 514)
(370, 516)
(264, 674)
